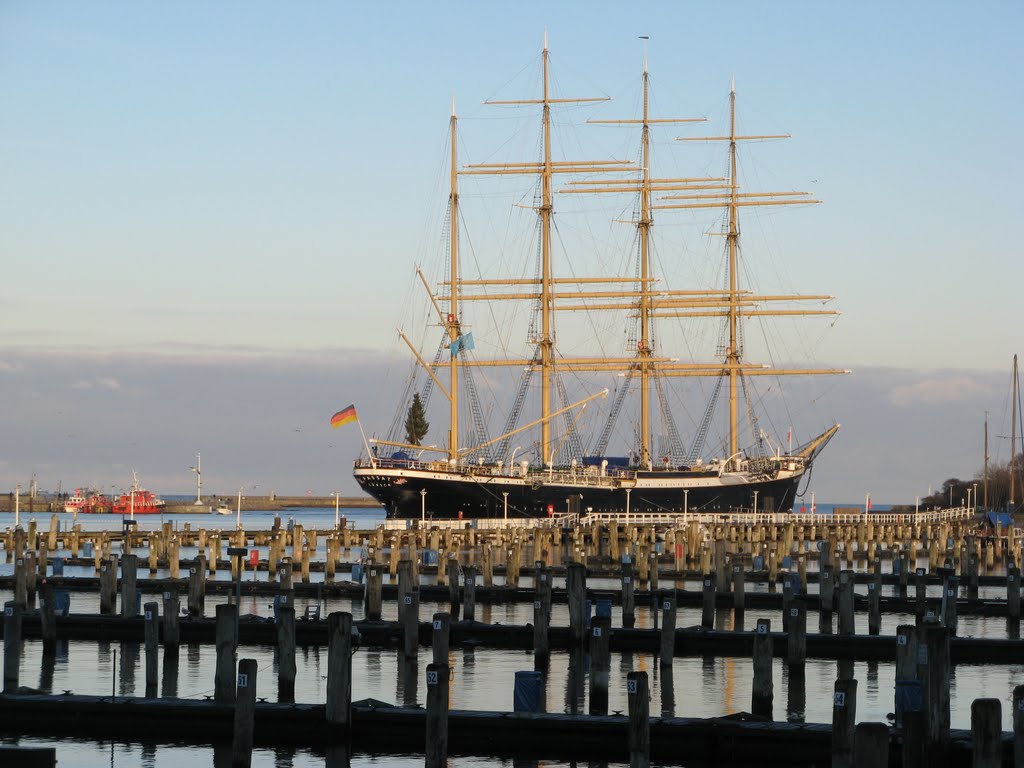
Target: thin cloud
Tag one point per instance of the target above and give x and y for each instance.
(98, 382)
(937, 391)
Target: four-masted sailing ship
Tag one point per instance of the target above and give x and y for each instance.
(476, 475)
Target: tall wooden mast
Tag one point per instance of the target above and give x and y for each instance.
(452, 320)
(738, 301)
(1014, 395)
(645, 341)
(546, 298)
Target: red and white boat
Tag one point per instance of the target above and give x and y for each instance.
(76, 503)
(87, 501)
(138, 501)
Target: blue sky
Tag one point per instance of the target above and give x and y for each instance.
(212, 190)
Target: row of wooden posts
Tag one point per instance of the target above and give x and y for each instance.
(922, 662)
(691, 547)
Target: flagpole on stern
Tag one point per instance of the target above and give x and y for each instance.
(373, 460)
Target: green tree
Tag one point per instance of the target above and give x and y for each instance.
(416, 424)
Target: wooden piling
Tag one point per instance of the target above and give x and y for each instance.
(411, 623)
(707, 616)
(987, 733)
(1018, 726)
(541, 646)
(871, 745)
(339, 669)
(668, 629)
(576, 589)
(108, 586)
(374, 591)
(151, 636)
(600, 663)
(914, 753)
(1013, 593)
(436, 748)
(286, 653)
(874, 606)
(920, 595)
(12, 645)
(950, 587)
(441, 630)
(245, 714)
(628, 597)
(47, 615)
(197, 588)
(227, 645)
(933, 671)
(469, 594)
(762, 692)
(846, 605)
(129, 572)
(739, 591)
(844, 719)
(796, 635)
(639, 698)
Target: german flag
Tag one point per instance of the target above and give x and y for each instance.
(344, 416)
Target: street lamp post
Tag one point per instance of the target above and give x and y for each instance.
(337, 511)
(198, 469)
(423, 506)
(755, 501)
(238, 514)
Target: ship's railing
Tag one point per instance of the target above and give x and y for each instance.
(735, 517)
(484, 523)
(579, 477)
(750, 517)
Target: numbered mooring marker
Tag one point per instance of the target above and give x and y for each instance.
(149, 615)
(243, 681)
(9, 611)
(627, 579)
(839, 699)
(408, 599)
(794, 612)
(167, 595)
(431, 677)
(631, 687)
(901, 639)
(597, 631)
(667, 605)
(437, 625)
(922, 654)
(762, 629)
(536, 605)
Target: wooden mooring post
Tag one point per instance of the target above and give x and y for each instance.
(108, 586)
(844, 719)
(667, 647)
(227, 645)
(762, 692)
(129, 572)
(12, 645)
(469, 594)
(986, 733)
(285, 653)
(441, 631)
(1018, 726)
(436, 748)
(411, 623)
(339, 669)
(374, 591)
(639, 699)
(576, 589)
(171, 608)
(600, 663)
(707, 615)
(151, 635)
(245, 714)
(796, 635)
(541, 645)
(871, 745)
(628, 597)
(47, 615)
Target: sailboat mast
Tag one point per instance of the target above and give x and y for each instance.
(546, 342)
(644, 344)
(453, 296)
(1014, 394)
(986, 460)
(733, 352)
